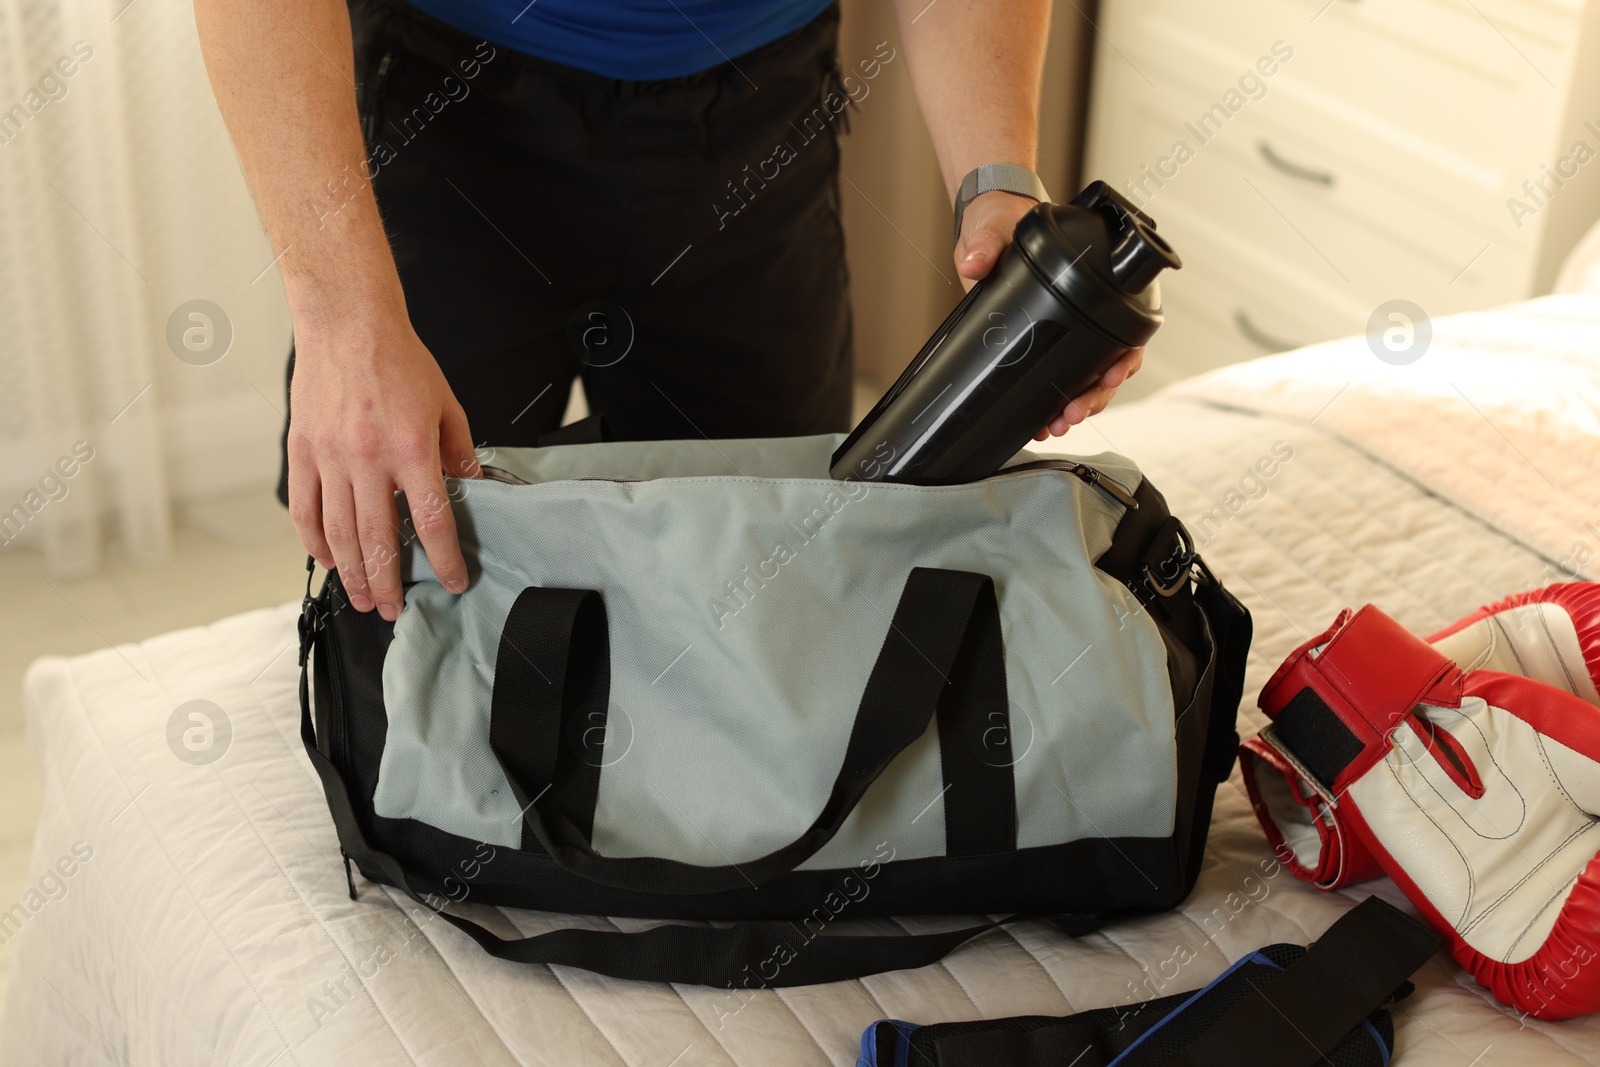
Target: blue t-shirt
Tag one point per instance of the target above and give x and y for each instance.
(634, 40)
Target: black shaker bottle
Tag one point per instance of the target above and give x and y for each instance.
(1069, 296)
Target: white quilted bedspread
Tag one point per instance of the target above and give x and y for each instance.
(212, 926)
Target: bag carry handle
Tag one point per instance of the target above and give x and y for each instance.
(755, 955)
(943, 645)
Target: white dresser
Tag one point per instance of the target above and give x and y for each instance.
(1313, 160)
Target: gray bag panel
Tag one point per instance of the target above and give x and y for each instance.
(745, 614)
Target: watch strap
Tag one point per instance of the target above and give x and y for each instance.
(997, 177)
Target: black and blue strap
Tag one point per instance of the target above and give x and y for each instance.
(1281, 1006)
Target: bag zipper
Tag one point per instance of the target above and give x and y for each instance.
(339, 743)
(338, 723)
(1092, 475)
(498, 474)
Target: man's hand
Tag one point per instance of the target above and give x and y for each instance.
(371, 413)
(985, 231)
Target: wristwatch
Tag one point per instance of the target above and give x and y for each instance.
(997, 177)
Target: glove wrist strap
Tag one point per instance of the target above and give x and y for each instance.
(1334, 709)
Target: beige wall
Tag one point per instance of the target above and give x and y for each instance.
(896, 213)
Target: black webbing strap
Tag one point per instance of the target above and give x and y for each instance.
(975, 756)
(1294, 1018)
(1298, 1017)
(553, 678)
(943, 643)
(1048, 1046)
(1231, 633)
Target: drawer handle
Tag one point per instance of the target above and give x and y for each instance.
(1294, 170)
(1264, 341)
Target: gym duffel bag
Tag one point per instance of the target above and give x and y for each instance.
(699, 680)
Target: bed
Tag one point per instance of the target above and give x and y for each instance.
(210, 923)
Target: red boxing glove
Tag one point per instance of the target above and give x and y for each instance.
(1477, 791)
(1551, 635)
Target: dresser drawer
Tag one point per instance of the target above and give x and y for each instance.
(1375, 163)
(1371, 77)
(1333, 223)
(1230, 303)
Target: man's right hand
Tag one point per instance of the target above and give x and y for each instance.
(370, 412)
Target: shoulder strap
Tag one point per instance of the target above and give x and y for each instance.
(1065, 1042)
(1297, 1018)
(1257, 1012)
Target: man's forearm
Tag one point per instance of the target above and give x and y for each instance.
(282, 74)
(976, 66)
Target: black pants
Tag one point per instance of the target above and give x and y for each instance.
(651, 236)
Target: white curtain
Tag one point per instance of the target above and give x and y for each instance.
(121, 202)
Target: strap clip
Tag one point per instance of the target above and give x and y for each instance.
(1166, 576)
(311, 616)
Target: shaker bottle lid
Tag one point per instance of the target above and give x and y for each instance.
(1100, 254)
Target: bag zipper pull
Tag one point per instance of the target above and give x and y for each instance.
(1110, 486)
(497, 474)
(1113, 488)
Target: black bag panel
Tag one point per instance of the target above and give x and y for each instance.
(1143, 537)
(1205, 661)
(348, 667)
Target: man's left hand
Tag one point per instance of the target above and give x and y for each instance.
(985, 231)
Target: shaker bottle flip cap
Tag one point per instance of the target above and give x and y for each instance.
(1101, 260)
